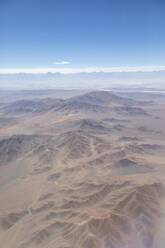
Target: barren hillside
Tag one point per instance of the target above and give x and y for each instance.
(83, 172)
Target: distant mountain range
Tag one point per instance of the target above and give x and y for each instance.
(98, 101)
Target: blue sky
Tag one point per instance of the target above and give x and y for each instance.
(81, 33)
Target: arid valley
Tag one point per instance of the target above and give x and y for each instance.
(82, 170)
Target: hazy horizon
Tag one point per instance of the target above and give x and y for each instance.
(83, 80)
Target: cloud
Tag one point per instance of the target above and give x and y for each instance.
(62, 63)
(85, 69)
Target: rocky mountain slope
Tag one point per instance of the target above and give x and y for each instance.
(82, 173)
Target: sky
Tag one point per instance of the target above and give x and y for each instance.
(82, 35)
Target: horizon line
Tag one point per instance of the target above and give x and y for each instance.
(82, 70)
